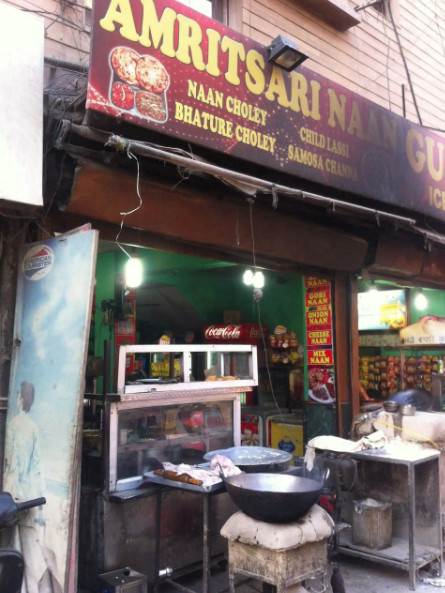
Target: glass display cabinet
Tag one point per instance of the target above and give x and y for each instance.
(177, 412)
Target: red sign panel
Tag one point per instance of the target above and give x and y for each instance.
(162, 65)
(320, 358)
(320, 338)
(315, 283)
(318, 318)
(318, 298)
(246, 333)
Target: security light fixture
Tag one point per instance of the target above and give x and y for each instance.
(133, 272)
(421, 302)
(256, 279)
(248, 277)
(285, 54)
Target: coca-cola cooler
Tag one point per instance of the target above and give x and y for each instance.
(251, 334)
(244, 333)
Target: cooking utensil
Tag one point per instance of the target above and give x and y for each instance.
(421, 399)
(407, 410)
(370, 408)
(390, 406)
(273, 498)
(254, 459)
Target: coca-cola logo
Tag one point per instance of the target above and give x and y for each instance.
(255, 332)
(229, 332)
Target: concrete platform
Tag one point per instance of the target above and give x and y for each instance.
(359, 576)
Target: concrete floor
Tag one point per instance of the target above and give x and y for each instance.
(359, 576)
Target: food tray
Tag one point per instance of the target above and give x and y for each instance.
(251, 456)
(135, 89)
(151, 477)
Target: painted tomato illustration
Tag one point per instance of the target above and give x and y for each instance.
(122, 95)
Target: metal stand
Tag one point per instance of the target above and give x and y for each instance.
(417, 531)
(206, 560)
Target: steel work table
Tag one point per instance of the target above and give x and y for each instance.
(206, 507)
(413, 486)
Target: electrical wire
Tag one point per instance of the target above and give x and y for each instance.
(125, 214)
(409, 432)
(408, 75)
(289, 432)
(292, 438)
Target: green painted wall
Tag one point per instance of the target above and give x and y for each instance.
(436, 304)
(105, 274)
(208, 290)
(210, 293)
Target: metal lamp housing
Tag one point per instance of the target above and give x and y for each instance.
(285, 54)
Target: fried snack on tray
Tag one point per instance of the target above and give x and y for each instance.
(169, 475)
(124, 62)
(213, 378)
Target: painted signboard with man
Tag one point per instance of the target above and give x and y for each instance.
(53, 313)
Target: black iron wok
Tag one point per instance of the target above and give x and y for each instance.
(273, 498)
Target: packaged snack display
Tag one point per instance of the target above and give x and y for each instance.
(284, 346)
(380, 376)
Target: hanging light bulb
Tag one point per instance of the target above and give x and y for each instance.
(248, 277)
(373, 287)
(421, 302)
(133, 272)
(258, 280)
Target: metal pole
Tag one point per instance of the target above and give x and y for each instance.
(399, 43)
(121, 144)
(412, 525)
(105, 420)
(66, 65)
(158, 538)
(439, 514)
(403, 101)
(118, 143)
(206, 545)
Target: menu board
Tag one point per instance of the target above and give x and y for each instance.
(382, 310)
(319, 340)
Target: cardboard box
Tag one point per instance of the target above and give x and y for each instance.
(233, 317)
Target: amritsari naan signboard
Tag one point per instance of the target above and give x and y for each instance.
(164, 66)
